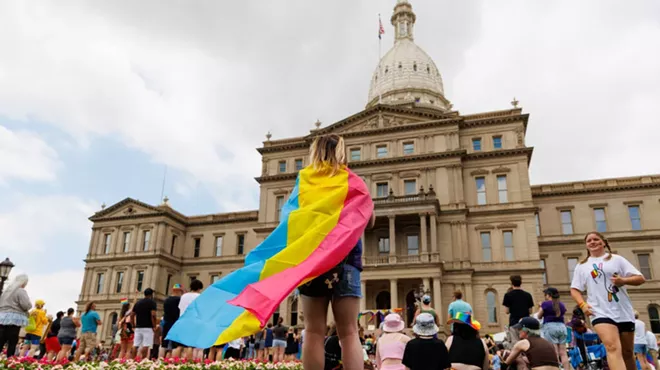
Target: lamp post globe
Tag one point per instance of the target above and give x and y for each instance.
(5, 269)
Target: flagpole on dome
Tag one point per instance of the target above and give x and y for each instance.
(381, 31)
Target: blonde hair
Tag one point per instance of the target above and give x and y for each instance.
(327, 150)
(607, 245)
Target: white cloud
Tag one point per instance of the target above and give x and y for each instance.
(26, 156)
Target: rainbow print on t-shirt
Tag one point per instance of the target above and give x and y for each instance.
(612, 289)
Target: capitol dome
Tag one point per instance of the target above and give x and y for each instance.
(406, 74)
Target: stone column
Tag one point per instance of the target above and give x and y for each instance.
(394, 294)
(285, 313)
(422, 236)
(90, 285)
(465, 246)
(392, 239)
(427, 283)
(434, 233)
(460, 195)
(84, 289)
(437, 299)
(154, 277)
(135, 235)
(91, 243)
(161, 237)
(299, 309)
(363, 302)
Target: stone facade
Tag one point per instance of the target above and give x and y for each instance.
(454, 204)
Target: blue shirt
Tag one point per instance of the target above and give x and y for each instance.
(88, 321)
(355, 256)
(458, 305)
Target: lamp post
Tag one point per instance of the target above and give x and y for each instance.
(5, 269)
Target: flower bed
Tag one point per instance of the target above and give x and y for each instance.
(173, 364)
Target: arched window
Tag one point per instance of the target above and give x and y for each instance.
(654, 318)
(491, 307)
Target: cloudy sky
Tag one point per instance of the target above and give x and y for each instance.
(98, 97)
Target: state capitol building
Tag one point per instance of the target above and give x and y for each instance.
(454, 204)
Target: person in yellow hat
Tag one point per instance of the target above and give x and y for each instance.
(37, 321)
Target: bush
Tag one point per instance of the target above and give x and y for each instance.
(172, 364)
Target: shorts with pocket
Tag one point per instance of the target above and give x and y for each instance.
(641, 348)
(143, 337)
(87, 341)
(279, 343)
(32, 339)
(66, 341)
(554, 332)
(346, 285)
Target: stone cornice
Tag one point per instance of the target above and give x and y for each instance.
(501, 153)
(596, 186)
(495, 119)
(578, 240)
(500, 211)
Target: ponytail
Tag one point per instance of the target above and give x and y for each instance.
(556, 307)
(607, 245)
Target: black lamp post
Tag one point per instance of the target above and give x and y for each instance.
(5, 269)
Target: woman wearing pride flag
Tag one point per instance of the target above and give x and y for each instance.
(318, 236)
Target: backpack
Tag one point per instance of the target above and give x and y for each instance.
(32, 322)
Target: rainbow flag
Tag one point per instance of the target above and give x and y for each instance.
(321, 222)
(124, 301)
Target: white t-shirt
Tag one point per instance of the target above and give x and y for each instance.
(640, 332)
(605, 299)
(186, 300)
(651, 340)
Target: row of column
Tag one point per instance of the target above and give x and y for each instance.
(150, 280)
(156, 241)
(423, 236)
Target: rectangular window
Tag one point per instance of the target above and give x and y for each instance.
(299, 164)
(99, 283)
(408, 148)
(146, 236)
(356, 154)
(381, 151)
(635, 219)
(497, 142)
(279, 203)
(601, 223)
(282, 166)
(106, 243)
(120, 281)
(572, 263)
(410, 187)
(198, 245)
(502, 191)
(169, 281)
(538, 224)
(173, 244)
(218, 246)
(127, 241)
(566, 223)
(509, 253)
(545, 274)
(485, 246)
(383, 245)
(382, 189)
(240, 244)
(192, 278)
(214, 278)
(645, 265)
(140, 281)
(413, 245)
(476, 145)
(481, 190)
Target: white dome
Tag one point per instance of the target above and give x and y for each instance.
(406, 74)
(405, 70)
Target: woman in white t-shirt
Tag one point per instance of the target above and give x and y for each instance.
(604, 275)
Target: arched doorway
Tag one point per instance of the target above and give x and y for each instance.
(410, 306)
(382, 303)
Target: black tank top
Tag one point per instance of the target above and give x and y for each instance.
(541, 353)
(467, 351)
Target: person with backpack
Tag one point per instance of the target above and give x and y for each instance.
(37, 321)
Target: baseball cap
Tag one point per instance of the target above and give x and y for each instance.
(426, 299)
(528, 323)
(177, 287)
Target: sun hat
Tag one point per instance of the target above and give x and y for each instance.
(39, 302)
(463, 318)
(425, 325)
(393, 323)
(528, 323)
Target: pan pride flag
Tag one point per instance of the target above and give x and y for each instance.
(321, 222)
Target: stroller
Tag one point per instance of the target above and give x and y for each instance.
(589, 353)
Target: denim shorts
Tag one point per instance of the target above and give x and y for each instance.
(66, 341)
(347, 286)
(279, 343)
(32, 339)
(554, 332)
(641, 348)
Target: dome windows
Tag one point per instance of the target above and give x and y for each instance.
(415, 67)
(400, 65)
(428, 69)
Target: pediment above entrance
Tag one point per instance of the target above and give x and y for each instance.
(127, 207)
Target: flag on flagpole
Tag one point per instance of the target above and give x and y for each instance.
(381, 30)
